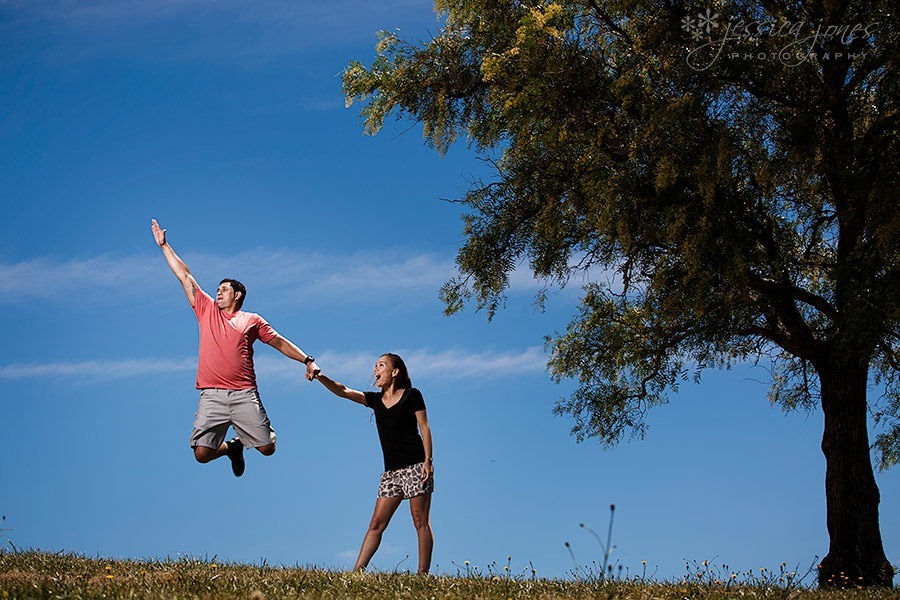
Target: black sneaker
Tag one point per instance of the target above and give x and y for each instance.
(236, 456)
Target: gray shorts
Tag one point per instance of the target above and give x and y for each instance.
(242, 409)
(405, 483)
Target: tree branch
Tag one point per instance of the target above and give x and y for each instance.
(784, 291)
(609, 22)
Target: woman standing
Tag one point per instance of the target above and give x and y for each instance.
(406, 444)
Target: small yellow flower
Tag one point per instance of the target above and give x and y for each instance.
(110, 576)
(496, 578)
(466, 563)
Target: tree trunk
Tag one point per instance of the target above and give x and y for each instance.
(856, 553)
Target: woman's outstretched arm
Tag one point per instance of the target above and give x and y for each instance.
(339, 389)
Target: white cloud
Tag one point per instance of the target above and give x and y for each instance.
(347, 555)
(523, 279)
(105, 369)
(422, 363)
(385, 272)
(450, 363)
(277, 276)
(48, 278)
(235, 31)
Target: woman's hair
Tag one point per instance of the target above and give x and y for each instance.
(403, 380)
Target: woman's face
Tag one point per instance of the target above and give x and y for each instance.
(384, 372)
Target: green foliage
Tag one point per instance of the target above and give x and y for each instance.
(886, 413)
(729, 199)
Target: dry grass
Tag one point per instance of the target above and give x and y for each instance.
(32, 574)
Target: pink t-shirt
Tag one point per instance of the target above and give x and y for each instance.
(225, 358)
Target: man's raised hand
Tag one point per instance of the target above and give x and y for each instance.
(159, 234)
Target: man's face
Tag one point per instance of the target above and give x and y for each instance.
(226, 298)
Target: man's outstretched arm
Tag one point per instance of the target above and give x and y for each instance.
(175, 263)
(289, 349)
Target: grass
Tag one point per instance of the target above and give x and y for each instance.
(34, 574)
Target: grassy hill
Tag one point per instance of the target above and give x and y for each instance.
(32, 574)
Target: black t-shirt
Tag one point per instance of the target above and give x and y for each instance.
(398, 429)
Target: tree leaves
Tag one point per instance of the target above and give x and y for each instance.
(747, 206)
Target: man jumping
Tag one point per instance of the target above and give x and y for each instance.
(225, 375)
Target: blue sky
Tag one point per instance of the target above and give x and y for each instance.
(224, 120)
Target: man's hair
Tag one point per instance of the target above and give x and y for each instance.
(237, 286)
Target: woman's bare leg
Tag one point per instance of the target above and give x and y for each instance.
(420, 508)
(384, 510)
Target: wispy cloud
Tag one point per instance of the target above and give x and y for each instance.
(47, 278)
(236, 31)
(347, 555)
(487, 363)
(282, 273)
(99, 369)
(422, 363)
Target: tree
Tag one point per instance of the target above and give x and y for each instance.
(733, 167)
